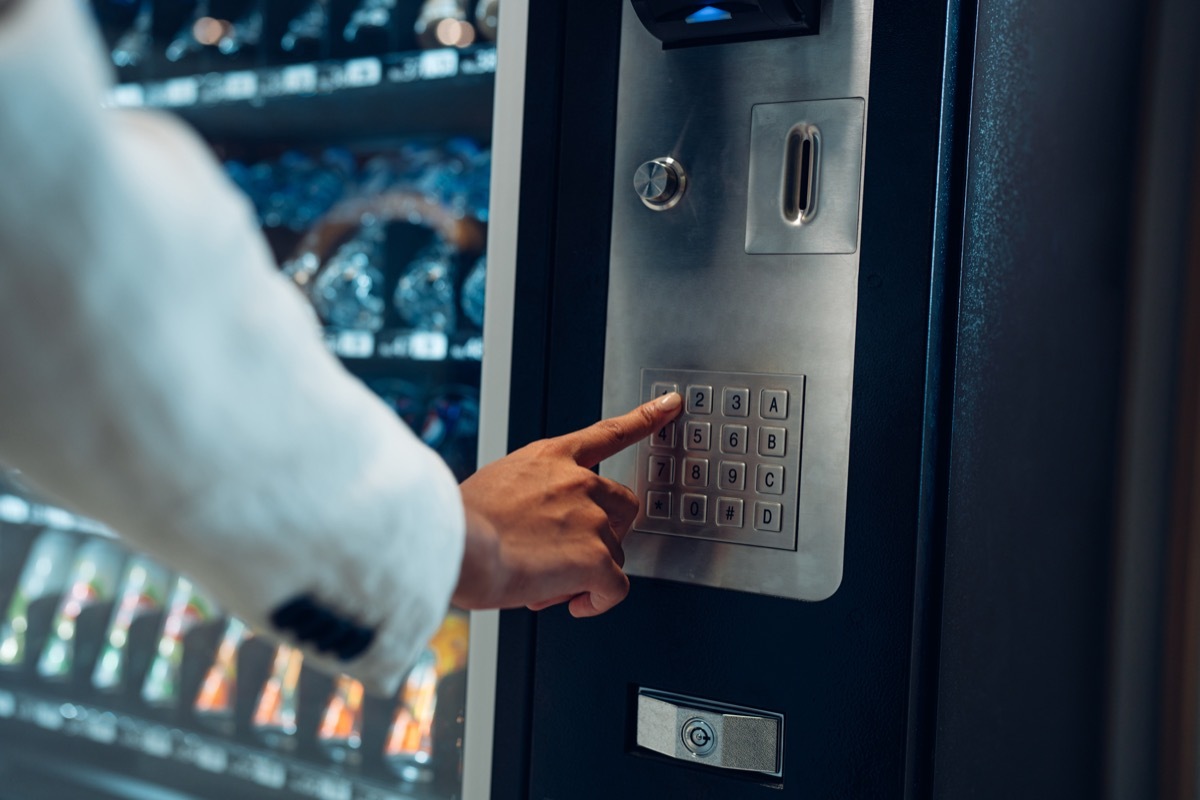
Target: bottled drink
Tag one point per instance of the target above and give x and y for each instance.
(45, 574)
(134, 45)
(188, 607)
(93, 580)
(424, 296)
(348, 292)
(307, 30)
(474, 292)
(410, 747)
(274, 718)
(143, 591)
(199, 31)
(215, 702)
(340, 729)
(487, 18)
(444, 23)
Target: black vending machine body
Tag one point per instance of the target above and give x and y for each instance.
(946, 632)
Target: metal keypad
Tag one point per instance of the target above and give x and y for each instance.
(728, 468)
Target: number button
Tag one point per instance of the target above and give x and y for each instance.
(658, 505)
(729, 512)
(659, 389)
(662, 469)
(771, 441)
(699, 400)
(697, 436)
(732, 476)
(665, 437)
(769, 480)
(733, 438)
(774, 404)
(695, 472)
(693, 508)
(768, 517)
(736, 402)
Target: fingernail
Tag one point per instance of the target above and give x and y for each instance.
(671, 401)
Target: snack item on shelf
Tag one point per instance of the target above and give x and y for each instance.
(188, 607)
(404, 398)
(93, 580)
(44, 575)
(451, 427)
(143, 591)
(274, 719)
(306, 29)
(215, 702)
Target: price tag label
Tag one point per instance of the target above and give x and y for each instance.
(300, 79)
(242, 85)
(355, 344)
(8, 705)
(156, 741)
(13, 509)
(428, 346)
(362, 72)
(439, 64)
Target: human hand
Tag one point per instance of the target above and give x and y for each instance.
(542, 528)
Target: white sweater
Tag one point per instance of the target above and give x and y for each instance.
(156, 373)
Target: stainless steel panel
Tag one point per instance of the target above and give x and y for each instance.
(714, 734)
(832, 226)
(683, 292)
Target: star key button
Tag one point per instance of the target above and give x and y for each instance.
(658, 505)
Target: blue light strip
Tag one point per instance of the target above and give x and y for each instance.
(708, 14)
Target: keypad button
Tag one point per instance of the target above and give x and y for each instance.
(735, 402)
(732, 476)
(729, 512)
(693, 508)
(768, 517)
(697, 436)
(771, 441)
(774, 404)
(695, 472)
(733, 439)
(658, 505)
(662, 469)
(769, 479)
(659, 389)
(665, 437)
(699, 399)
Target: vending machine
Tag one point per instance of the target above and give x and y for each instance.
(881, 249)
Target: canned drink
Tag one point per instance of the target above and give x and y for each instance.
(274, 719)
(216, 700)
(143, 591)
(340, 729)
(188, 607)
(46, 571)
(93, 580)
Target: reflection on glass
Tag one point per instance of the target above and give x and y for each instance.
(218, 693)
(93, 580)
(45, 574)
(143, 591)
(274, 719)
(189, 606)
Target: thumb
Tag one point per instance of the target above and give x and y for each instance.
(593, 444)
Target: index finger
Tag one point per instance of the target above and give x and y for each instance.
(608, 437)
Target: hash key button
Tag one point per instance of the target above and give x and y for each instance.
(729, 512)
(774, 404)
(771, 441)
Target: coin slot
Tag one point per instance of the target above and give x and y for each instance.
(800, 166)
